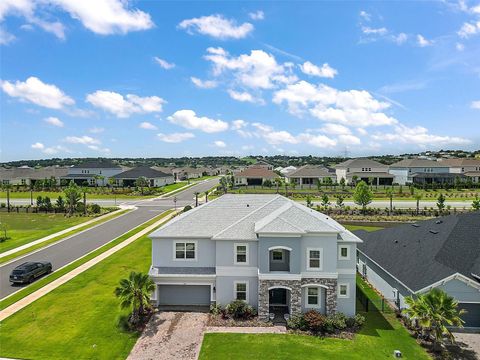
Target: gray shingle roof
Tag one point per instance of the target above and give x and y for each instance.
(310, 171)
(405, 163)
(140, 171)
(360, 162)
(419, 257)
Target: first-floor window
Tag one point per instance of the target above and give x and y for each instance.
(312, 296)
(241, 291)
(343, 290)
(185, 250)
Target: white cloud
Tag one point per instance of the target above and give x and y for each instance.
(37, 92)
(469, 29)
(244, 96)
(238, 124)
(204, 84)
(247, 147)
(259, 70)
(335, 129)
(217, 26)
(122, 106)
(374, 31)
(54, 121)
(400, 38)
(349, 140)
(52, 150)
(257, 15)
(84, 140)
(460, 46)
(96, 130)
(189, 120)
(175, 137)
(98, 148)
(351, 108)
(220, 144)
(38, 146)
(320, 141)
(475, 104)
(147, 126)
(6, 37)
(325, 71)
(422, 42)
(365, 15)
(164, 63)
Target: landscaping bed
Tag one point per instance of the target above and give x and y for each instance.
(218, 320)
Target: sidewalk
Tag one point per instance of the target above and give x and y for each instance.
(27, 300)
(65, 231)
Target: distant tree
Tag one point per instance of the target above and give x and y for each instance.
(224, 184)
(3, 229)
(476, 203)
(354, 179)
(267, 183)
(231, 180)
(418, 197)
(325, 201)
(342, 183)
(441, 202)
(309, 201)
(39, 202)
(458, 183)
(47, 203)
(141, 182)
(73, 194)
(412, 190)
(389, 193)
(362, 195)
(319, 184)
(60, 203)
(339, 202)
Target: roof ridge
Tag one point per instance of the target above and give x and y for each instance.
(272, 216)
(246, 216)
(316, 214)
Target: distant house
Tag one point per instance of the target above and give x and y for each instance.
(263, 164)
(411, 259)
(185, 173)
(27, 176)
(470, 168)
(254, 176)
(287, 170)
(310, 175)
(154, 177)
(408, 171)
(93, 172)
(364, 169)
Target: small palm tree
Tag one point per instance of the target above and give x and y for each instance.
(435, 311)
(135, 292)
(418, 197)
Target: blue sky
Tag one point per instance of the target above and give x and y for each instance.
(161, 79)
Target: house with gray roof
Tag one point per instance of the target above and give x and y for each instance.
(155, 178)
(27, 176)
(365, 169)
(408, 171)
(310, 175)
(94, 173)
(277, 255)
(411, 259)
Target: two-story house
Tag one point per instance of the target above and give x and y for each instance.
(408, 171)
(467, 167)
(364, 169)
(264, 249)
(93, 172)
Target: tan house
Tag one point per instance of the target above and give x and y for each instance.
(254, 176)
(309, 175)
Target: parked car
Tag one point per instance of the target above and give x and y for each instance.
(29, 271)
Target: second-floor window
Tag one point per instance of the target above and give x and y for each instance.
(185, 250)
(314, 259)
(344, 252)
(277, 255)
(241, 253)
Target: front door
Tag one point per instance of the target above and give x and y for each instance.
(278, 297)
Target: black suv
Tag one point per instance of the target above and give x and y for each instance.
(28, 271)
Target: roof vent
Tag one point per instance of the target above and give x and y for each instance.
(433, 231)
(415, 225)
(396, 241)
(248, 205)
(438, 222)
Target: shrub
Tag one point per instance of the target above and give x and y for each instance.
(314, 320)
(3, 205)
(239, 309)
(297, 322)
(215, 309)
(187, 208)
(359, 320)
(350, 322)
(95, 209)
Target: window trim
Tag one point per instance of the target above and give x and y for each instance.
(340, 257)
(320, 268)
(235, 283)
(175, 242)
(319, 295)
(235, 253)
(283, 255)
(347, 285)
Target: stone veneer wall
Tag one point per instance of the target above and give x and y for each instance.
(295, 294)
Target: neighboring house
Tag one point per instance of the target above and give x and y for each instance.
(93, 172)
(186, 173)
(155, 178)
(363, 169)
(310, 175)
(426, 171)
(27, 176)
(287, 170)
(254, 175)
(411, 259)
(263, 164)
(470, 168)
(277, 255)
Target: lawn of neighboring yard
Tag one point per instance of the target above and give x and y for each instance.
(78, 320)
(23, 228)
(378, 338)
(362, 227)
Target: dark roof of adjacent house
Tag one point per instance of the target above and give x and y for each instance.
(141, 171)
(422, 163)
(310, 171)
(257, 172)
(97, 164)
(360, 162)
(419, 255)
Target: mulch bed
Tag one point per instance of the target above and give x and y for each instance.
(217, 320)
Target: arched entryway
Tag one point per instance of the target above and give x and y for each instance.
(279, 298)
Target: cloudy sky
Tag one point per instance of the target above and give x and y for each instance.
(145, 78)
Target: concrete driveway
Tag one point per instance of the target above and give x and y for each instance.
(171, 336)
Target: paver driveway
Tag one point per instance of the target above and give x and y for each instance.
(171, 335)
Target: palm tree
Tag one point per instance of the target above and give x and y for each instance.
(135, 292)
(389, 192)
(435, 312)
(418, 197)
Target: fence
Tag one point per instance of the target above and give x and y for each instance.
(370, 304)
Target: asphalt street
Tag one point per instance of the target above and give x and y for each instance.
(66, 251)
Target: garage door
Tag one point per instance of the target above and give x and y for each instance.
(184, 294)
(472, 317)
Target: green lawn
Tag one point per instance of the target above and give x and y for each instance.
(78, 320)
(378, 338)
(362, 227)
(23, 228)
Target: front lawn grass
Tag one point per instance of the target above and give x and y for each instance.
(23, 228)
(362, 227)
(78, 320)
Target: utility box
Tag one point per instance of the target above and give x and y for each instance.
(397, 353)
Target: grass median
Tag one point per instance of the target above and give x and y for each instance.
(58, 238)
(57, 274)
